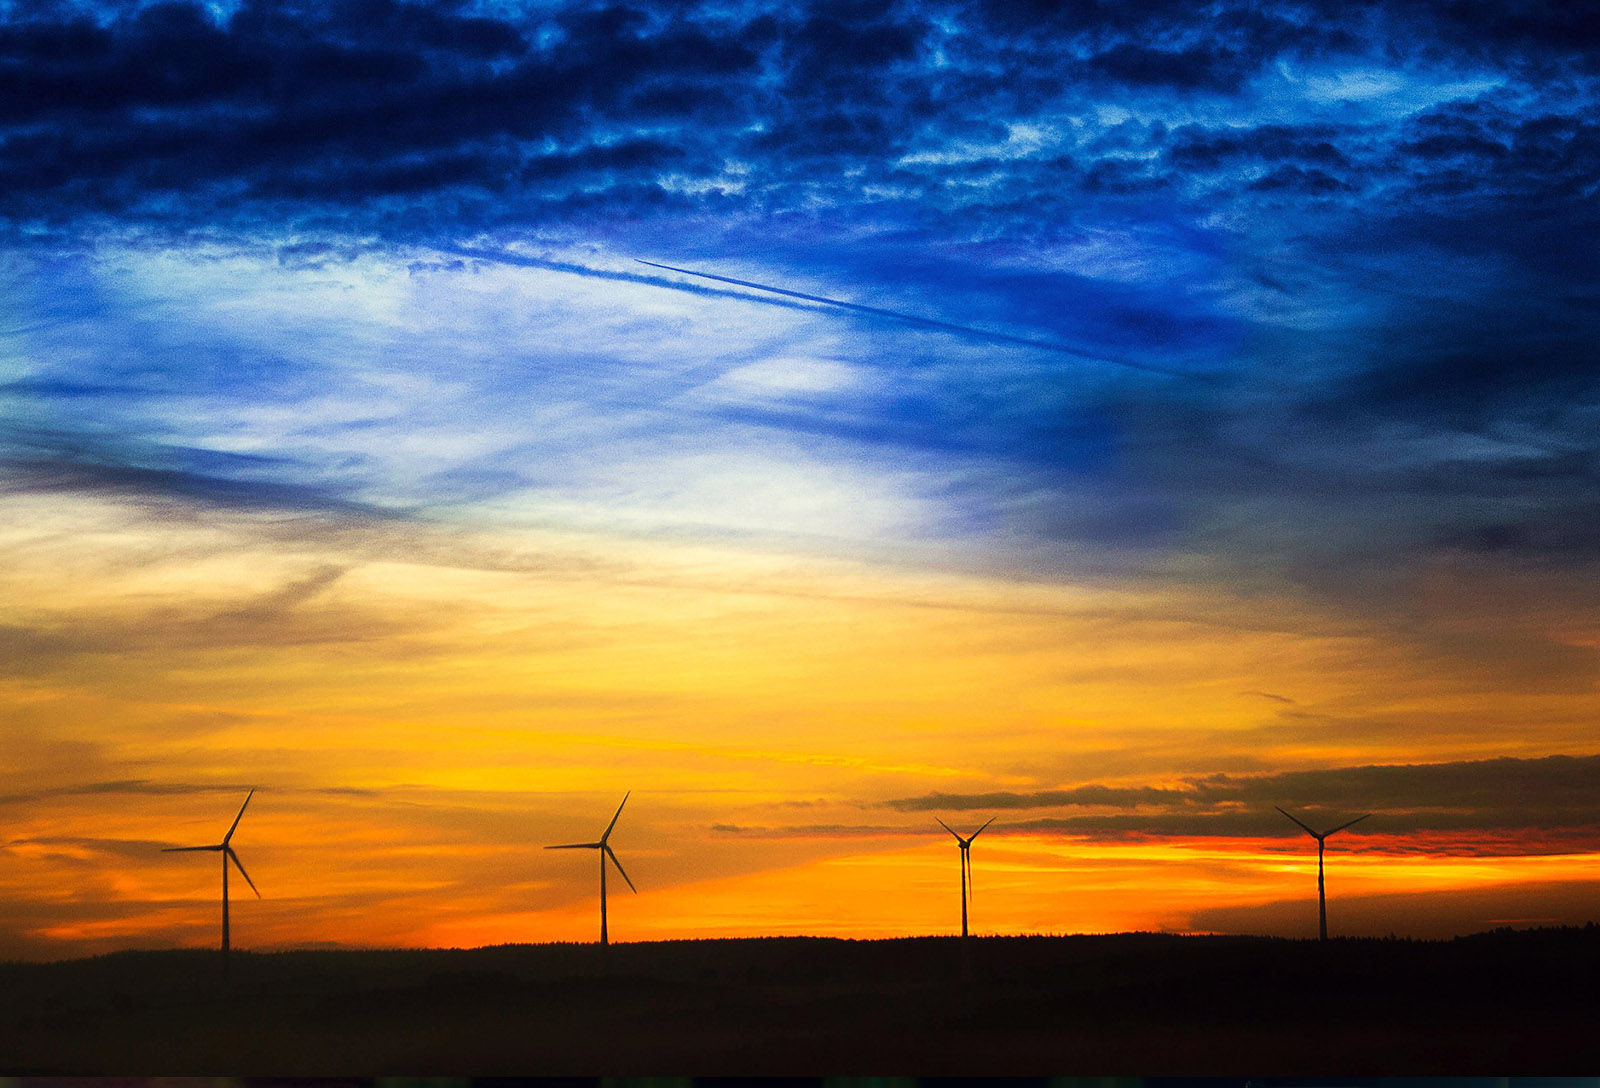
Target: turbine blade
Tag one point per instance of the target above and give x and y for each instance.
(186, 849)
(577, 846)
(1342, 826)
(239, 817)
(978, 832)
(613, 822)
(610, 854)
(1303, 827)
(239, 865)
(950, 829)
(968, 857)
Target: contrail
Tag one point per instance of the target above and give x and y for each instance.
(572, 268)
(576, 269)
(931, 323)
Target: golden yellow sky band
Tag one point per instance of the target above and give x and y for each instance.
(424, 706)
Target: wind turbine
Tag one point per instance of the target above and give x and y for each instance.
(966, 864)
(605, 852)
(1322, 895)
(227, 853)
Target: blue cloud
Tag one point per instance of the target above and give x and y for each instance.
(1367, 226)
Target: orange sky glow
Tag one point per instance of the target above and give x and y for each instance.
(422, 709)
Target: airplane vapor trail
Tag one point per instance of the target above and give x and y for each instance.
(932, 323)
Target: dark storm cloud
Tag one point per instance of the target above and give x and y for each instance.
(1196, 67)
(452, 120)
(422, 119)
(1522, 29)
(1547, 795)
(323, 105)
(1192, 147)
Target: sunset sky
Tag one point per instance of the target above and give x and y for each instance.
(1213, 427)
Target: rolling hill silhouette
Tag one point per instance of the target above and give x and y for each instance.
(1521, 1001)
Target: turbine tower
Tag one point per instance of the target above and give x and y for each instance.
(226, 850)
(604, 847)
(966, 864)
(1322, 894)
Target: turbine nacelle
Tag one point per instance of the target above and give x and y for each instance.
(966, 843)
(1325, 834)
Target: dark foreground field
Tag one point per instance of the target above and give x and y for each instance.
(1525, 1003)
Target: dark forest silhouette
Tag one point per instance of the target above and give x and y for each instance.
(1506, 1000)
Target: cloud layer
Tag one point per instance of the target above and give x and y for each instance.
(1364, 223)
(421, 116)
(1551, 795)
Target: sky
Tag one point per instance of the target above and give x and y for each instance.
(1115, 419)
